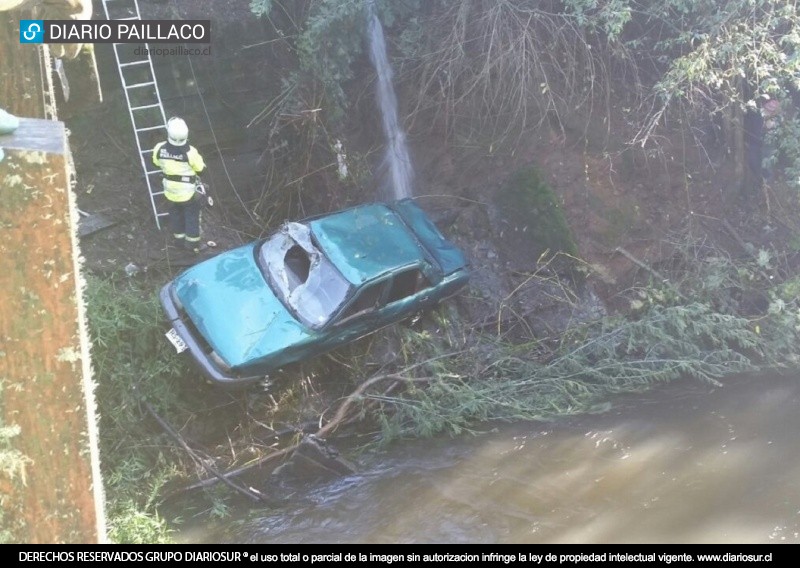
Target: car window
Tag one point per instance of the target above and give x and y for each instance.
(367, 299)
(407, 283)
(305, 280)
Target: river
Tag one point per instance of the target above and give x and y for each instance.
(686, 463)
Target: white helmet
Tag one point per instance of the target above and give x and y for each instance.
(177, 131)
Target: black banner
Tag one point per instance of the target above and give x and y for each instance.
(126, 31)
(405, 555)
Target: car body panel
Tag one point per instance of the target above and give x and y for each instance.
(231, 305)
(364, 241)
(397, 262)
(448, 257)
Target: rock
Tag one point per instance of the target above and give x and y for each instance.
(131, 269)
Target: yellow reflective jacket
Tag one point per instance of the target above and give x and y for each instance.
(180, 166)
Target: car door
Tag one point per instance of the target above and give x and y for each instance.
(360, 316)
(408, 292)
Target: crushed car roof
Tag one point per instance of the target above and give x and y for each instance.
(366, 241)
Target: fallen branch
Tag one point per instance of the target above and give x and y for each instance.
(235, 472)
(249, 492)
(652, 271)
(748, 249)
(353, 396)
(334, 423)
(739, 240)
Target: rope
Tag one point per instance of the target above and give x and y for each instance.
(216, 143)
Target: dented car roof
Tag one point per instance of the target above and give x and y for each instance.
(366, 241)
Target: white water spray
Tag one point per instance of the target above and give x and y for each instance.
(397, 156)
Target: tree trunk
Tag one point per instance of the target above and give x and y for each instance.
(738, 148)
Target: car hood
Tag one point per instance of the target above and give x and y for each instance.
(234, 309)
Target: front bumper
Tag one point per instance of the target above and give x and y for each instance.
(209, 368)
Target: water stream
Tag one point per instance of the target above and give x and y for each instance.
(397, 156)
(683, 464)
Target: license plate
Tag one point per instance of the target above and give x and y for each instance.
(178, 343)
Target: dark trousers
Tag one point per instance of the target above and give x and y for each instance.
(184, 218)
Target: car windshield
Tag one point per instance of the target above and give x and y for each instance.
(305, 280)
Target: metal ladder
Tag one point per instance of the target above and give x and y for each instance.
(143, 99)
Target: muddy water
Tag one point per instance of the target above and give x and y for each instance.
(683, 464)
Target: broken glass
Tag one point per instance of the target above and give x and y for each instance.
(304, 278)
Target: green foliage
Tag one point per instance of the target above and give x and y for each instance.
(693, 327)
(332, 39)
(132, 362)
(611, 356)
(785, 140)
(330, 43)
(710, 60)
(608, 17)
(130, 525)
(327, 42)
(499, 67)
(261, 8)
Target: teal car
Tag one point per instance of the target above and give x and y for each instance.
(310, 287)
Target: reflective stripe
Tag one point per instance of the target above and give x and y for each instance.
(177, 191)
(193, 239)
(180, 166)
(179, 236)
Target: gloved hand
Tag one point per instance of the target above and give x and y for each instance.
(202, 190)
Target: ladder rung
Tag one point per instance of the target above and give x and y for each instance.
(139, 62)
(146, 151)
(155, 193)
(146, 106)
(149, 128)
(123, 19)
(162, 214)
(140, 85)
(153, 172)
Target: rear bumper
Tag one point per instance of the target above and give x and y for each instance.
(210, 370)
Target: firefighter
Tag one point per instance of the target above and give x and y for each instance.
(180, 164)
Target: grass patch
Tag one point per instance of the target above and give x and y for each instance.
(132, 362)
